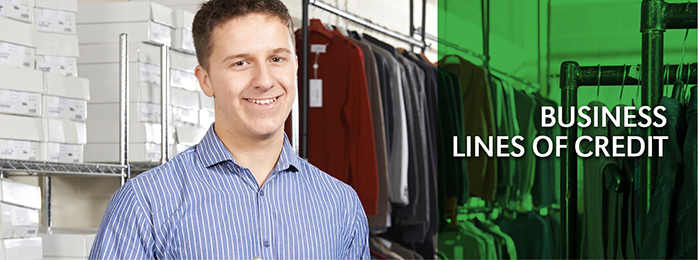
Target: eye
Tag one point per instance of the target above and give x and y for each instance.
(239, 63)
(277, 59)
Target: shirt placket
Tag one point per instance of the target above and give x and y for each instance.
(265, 220)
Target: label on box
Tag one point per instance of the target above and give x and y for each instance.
(160, 33)
(16, 9)
(150, 73)
(55, 21)
(61, 107)
(18, 150)
(64, 70)
(16, 55)
(18, 102)
(184, 116)
(20, 217)
(315, 93)
(183, 79)
(152, 152)
(66, 153)
(150, 112)
(188, 40)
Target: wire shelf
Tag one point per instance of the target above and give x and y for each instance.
(55, 168)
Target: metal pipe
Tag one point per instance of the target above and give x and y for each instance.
(412, 23)
(680, 16)
(613, 75)
(485, 6)
(652, 28)
(366, 23)
(305, 47)
(47, 204)
(164, 103)
(123, 107)
(568, 182)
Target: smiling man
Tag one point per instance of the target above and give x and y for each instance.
(241, 193)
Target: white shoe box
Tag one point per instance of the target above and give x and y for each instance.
(116, 12)
(183, 61)
(21, 79)
(20, 194)
(109, 72)
(206, 102)
(108, 92)
(17, 32)
(185, 116)
(138, 52)
(61, 65)
(184, 80)
(109, 152)
(184, 98)
(18, 56)
(20, 103)
(22, 128)
(147, 31)
(64, 153)
(139, 112)
(21, 248)
(65, 108)
(206, 117)
(183, 18)
(70, 243)
(20, 10)
(69, 87)
(57, 44)
(189, 134)
(20, 150)
(18, 221)
(108, 132)
(64, 131)
(183, 40)
(64, 5)
(55, 21)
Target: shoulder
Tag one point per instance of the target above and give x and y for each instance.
(328, 186)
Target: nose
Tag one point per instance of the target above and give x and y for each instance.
(263, 79)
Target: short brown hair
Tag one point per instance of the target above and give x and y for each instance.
(217, 12)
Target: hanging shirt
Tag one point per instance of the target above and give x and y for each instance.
(340, 131)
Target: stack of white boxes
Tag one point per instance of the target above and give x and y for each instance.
(65, 95)
(20, 93)
(68, 243)
(19, 220)
(43, 110)
(147, 25)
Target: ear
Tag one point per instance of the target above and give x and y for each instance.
(204, 80)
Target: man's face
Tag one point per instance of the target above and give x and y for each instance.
(251, 75)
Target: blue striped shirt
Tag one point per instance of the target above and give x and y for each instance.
(203, 205)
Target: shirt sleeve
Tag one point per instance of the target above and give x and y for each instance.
(358, 245)
(126, 230)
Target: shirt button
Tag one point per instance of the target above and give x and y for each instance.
(266, 243)
(261, 192)
(257, 258)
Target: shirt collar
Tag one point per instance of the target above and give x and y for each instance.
(211, 151)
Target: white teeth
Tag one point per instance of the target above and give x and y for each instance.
(262, 101)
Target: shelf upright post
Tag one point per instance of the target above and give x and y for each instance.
(305, 46)
(123, 107)
(164, 102)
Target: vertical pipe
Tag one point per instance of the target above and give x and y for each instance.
(547, 56)
(123, 107)
(412, 23)
(424, 25)
(652, 28)
(568, 182)
(485, 5)
(304, 82)
(539, 60)
(164, 103)
(47, 203)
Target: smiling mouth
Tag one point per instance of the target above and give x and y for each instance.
(262, 101)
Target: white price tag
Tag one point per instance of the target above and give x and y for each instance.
(635, 72)
(315, 94)
(318, 48)
(20, 217)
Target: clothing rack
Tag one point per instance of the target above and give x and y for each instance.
(535, 86)
(303, 152)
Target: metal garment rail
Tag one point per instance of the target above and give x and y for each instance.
(303, 152)
(572, 76)
(478, 56)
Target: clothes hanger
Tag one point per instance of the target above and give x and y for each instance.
(598, 83)
(622, 85)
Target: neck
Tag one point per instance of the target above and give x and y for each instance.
(259, 155)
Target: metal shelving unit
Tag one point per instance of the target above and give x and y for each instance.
(54, 168)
